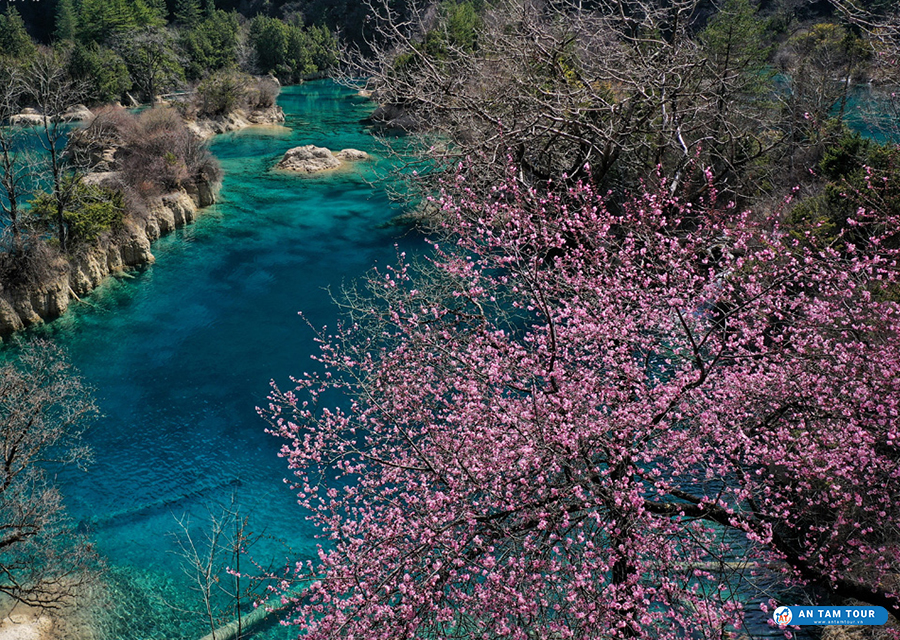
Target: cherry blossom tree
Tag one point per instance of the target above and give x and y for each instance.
(572, 419)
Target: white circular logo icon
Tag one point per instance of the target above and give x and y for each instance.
(782, 616)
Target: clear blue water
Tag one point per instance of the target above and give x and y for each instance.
(872, 115)
(182, 353)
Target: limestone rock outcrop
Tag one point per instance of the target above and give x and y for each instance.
(308, 159)
(106, 179)
(77, 113)
(202, 193)
(129, 246)
(353, 155)
(27, 118)
(206, 128)
(32, 117)
(312, 159)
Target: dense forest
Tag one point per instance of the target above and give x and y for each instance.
(143, 48)
(349, 17)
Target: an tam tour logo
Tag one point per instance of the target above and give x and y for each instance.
(800, 616)
(782, 616)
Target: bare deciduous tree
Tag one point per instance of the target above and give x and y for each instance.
(44, 408)
(48, 84)
(881, 110)
(211, 560)
(12, 170)
(623, 86)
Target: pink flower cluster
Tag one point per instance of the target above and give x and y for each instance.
(573, 419)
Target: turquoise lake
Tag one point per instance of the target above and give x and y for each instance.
(182, 353)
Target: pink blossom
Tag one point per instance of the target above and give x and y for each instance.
(553, 424)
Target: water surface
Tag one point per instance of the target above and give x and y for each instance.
(181, 353)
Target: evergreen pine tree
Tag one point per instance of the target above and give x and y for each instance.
(14, 39)
(106, 21)
(188, 13)
(159, 8)
(66, 20)
(120, 16)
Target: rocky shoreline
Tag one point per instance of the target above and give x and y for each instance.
(206, 128)
(127, 247)
(24, 305)
(202, 128)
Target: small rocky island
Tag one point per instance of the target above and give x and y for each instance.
(312, 159)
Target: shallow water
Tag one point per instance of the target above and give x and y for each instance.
(182, 353)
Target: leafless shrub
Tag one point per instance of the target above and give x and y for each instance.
(159, 154)
(189, 109)
(32, 262)
(263, 94)
(227, 91)
(221, 93)
(105, 126)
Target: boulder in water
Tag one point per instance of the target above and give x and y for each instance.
(351, 154)
(308, 159)
(312, 159)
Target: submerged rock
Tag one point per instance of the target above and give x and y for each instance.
(26, 626)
